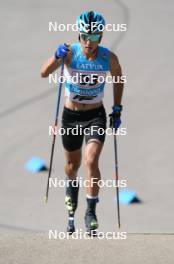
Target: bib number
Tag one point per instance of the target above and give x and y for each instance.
(90, 80)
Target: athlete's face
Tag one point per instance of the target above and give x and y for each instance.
(89, 43)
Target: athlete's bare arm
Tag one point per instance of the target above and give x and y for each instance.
(115, 70)
(52, 64)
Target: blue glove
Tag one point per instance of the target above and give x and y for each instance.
(115, 120)
(61, 51)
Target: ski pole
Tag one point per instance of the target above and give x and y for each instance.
(117, 183)
(54, 134)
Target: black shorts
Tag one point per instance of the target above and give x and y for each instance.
(76, 125)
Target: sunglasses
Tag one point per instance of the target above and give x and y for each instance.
(90, 37)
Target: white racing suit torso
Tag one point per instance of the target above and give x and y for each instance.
(85, 80)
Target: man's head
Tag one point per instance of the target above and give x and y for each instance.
(91, 25)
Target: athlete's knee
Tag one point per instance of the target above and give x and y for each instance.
(91, 163)
(72, 167)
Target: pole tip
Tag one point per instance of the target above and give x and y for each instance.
(45, 199)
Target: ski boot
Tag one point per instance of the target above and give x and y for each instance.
(91, 222)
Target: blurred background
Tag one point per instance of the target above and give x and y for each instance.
(28, 104)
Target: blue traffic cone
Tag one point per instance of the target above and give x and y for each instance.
(128, 197)
(35, 164)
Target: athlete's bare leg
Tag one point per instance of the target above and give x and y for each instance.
(91, 159)
(92, 154)
(73, 161)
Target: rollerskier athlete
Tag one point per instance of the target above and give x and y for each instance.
(84, 108)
